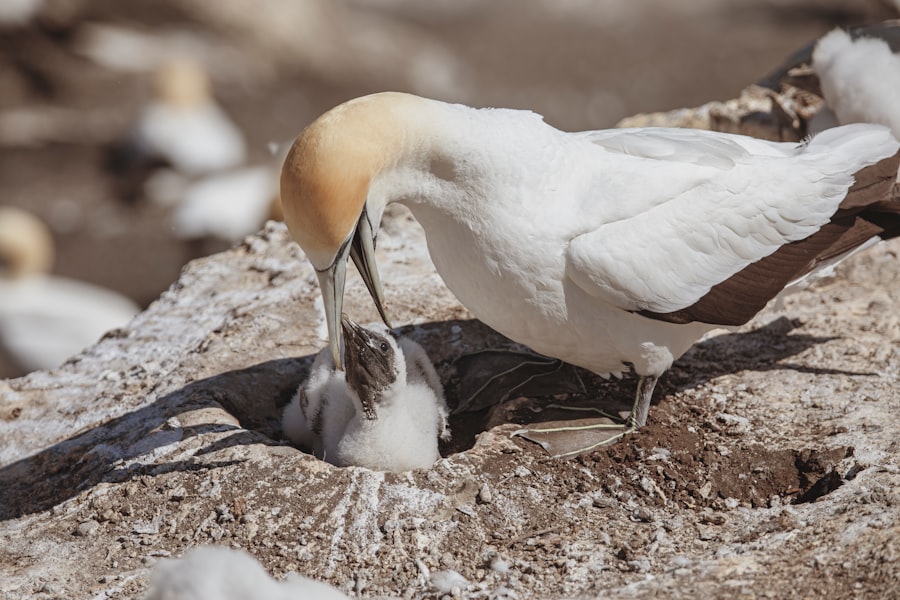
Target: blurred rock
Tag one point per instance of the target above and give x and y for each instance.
(788, 104)
(340, 43)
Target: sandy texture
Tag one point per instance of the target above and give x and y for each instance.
(770, 465)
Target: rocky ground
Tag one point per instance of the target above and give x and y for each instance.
(770, 465)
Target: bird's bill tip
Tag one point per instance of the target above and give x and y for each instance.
(357, 339)
(348, 325)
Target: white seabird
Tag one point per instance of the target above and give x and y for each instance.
(228, 206)
(611, 250)
(859, 75)
(385, 412)
(45, 319)
(184, 126)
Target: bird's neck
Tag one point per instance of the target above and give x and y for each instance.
(444, 162)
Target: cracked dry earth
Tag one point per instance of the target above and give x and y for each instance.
(770, 466)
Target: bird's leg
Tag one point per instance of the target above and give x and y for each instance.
(641, 407)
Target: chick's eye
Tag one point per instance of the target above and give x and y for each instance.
(384, 346)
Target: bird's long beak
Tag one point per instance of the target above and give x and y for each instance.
(362, 251)
(361, 247)
(331, 282)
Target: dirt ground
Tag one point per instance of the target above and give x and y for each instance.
(769, 467)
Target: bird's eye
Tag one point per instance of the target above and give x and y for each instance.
(384, 347)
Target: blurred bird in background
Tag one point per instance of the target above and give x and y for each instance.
(184, 152)
(45, 319)
(846, 76)
(181, 128)
(859, 75)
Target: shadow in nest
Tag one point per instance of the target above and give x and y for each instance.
(115, 451)
(489, 380)
(499, 381)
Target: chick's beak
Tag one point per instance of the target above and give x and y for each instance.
(360, 374)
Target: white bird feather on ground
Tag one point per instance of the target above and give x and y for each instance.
(219, 573)
(612, 250)
(385, 412)
(860, 79)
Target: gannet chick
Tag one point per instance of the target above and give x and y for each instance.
(385, 412)
(612, 250)
(860, 76)
(45, 319)
(182, 126)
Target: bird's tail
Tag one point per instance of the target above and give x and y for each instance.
(868, 156)
(871, 208)
(851, 147)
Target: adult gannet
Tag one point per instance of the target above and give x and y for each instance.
(45, 319)
(385, 412)
(612, 250)
(182, 126)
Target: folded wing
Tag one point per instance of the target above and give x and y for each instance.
(763, 216)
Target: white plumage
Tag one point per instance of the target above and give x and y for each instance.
(45, 319)
(330, 415)
(860, 79)
(219, 573)
(228, 206)
(18, 13)
(612, 250)
(184, 126)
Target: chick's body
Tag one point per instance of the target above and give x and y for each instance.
(386, 412)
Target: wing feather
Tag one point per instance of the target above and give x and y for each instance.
(668, 257)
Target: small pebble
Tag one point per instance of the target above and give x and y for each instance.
(88, 528)
(447, 581)
(498, 565)
(642, 514)
(485, 496)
